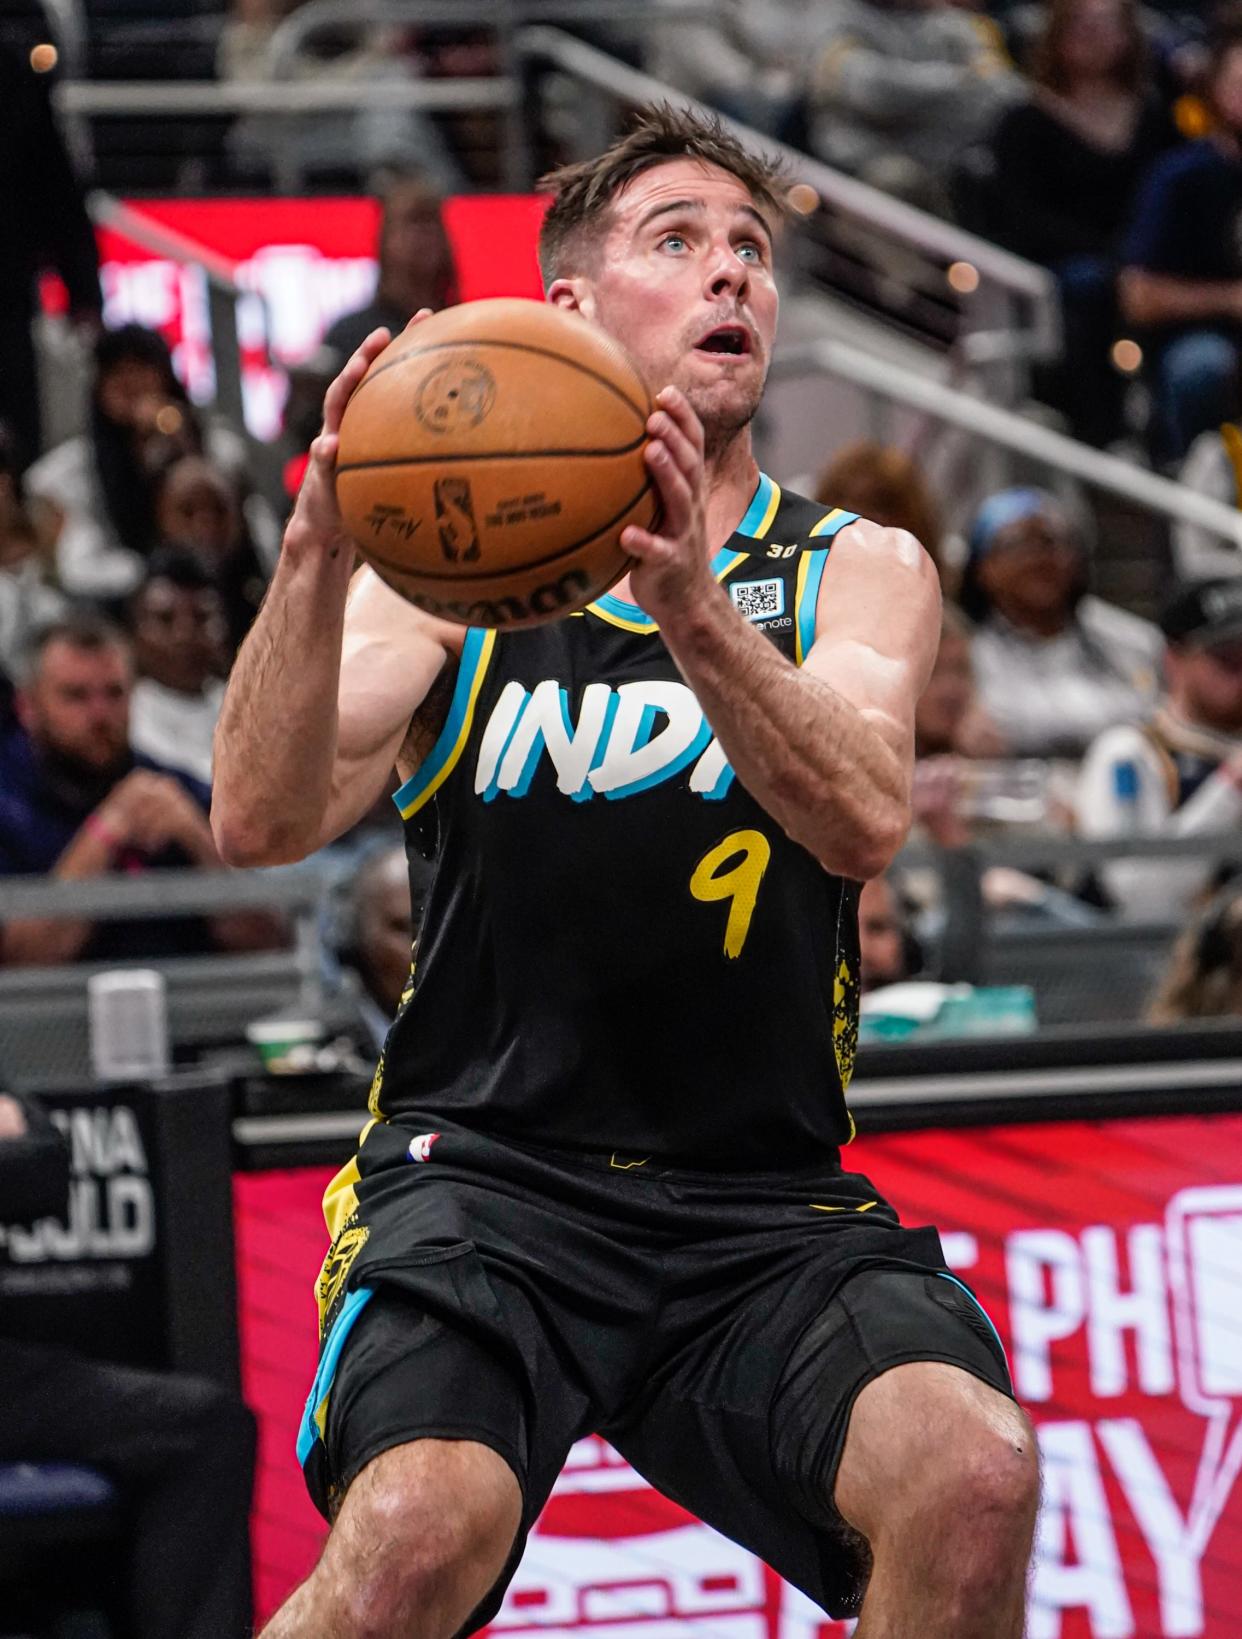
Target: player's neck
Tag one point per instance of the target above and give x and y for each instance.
(732, 474)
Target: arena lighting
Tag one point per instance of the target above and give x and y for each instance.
(44, 57)
(803, 199)
(964, 278)
(1127, 355)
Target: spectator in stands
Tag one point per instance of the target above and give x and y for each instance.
(331, 144)
(1213, 467)
(900, 90)
(1068, 162)
(887, 950)
(883, 483)
(77, 801)
(1054, 664)
(45, 226)
(387, 899)
(197, 505)
(180, 635)
(1204, 976)
(180, 1449)
(29, 594)
(416, 266)
(1182, 280)
(103, 482)
(748, 61)
(1179, 772)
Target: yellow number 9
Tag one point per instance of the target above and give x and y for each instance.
(739, 883)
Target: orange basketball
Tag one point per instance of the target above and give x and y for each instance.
(490, 459)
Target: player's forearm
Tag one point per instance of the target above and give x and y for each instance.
(276, 739)
(807, 755)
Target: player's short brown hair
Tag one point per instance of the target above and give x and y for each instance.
(582, 194)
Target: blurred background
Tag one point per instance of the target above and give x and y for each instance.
(1012, 323)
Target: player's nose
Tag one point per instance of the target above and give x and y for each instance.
(727, 273)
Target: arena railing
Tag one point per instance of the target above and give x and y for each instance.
(1004, 430)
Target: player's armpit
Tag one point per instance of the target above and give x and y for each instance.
(391, 659)
(877, 627)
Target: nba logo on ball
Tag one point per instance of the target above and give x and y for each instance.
(420, 1147)
(459, 535)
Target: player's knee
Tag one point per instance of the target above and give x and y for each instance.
(984, 1476)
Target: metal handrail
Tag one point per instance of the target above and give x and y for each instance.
(865, 204)
(165, 893)
(1008, 430)
(90, 97)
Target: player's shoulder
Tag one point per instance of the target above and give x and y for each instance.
(781, 524)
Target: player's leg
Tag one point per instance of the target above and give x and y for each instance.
(892, 1415)
(425, 1531)
(940, 1475)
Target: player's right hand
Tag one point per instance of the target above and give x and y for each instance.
(316, 526)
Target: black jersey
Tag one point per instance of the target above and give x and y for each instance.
(622, 951)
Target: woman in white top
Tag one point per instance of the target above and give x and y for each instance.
(1054, 665)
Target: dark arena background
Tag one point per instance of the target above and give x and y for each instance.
(1011, 323)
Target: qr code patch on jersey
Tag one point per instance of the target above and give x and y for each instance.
(759, 599)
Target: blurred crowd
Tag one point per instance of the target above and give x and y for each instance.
(1099, 137)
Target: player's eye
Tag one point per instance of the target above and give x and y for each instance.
(674, 242)
(751, 251)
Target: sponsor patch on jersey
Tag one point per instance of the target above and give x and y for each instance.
(759, 599)
(420, 1147)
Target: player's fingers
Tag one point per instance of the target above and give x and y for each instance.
(682, 449)
(423, 313)
(341, 390)
(643, 546)
(675, 403)
(676, 495)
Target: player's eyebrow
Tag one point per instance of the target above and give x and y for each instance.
(696, 207)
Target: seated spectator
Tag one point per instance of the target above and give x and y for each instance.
(1178, 773)
(384, 921)
(1213, 467)
(416, 266)
(77, 801)
(1182, 278)
(748, 61)
(1054, 664)
(102, 482)
(883, 483)
(180, 636)
(197, 505)
(1068, 162)
(179, 1449)
(900, 90)
(1204, 976)
(29, 594)
(888, 952)
(331, 145)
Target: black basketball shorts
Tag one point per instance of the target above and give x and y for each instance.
(716, 1328)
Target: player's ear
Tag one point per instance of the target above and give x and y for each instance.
(574, 295)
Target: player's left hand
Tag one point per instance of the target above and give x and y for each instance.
(672, 567)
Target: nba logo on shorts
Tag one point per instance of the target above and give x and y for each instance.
(459, 535)
(420, 1147)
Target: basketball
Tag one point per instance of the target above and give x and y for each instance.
(491, 457)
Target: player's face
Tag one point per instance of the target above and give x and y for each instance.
(685, 282)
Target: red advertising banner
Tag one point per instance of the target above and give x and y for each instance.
(1109, 1254)
(302, 262)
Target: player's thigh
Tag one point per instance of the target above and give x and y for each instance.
(900, 1369)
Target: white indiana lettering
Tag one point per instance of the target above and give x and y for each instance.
(1112, 1312)
(1076, 1507)
(617, 747)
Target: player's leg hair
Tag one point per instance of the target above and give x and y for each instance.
(423, 1533)
(940, 1473)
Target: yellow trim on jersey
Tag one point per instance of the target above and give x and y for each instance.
(774, 501)
(614, 610)
(445, 754)
(865, 1207)
(821, 528)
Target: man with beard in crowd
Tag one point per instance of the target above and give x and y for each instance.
(77, 801)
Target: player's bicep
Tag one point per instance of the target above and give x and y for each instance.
(390, 659)
(877, 627)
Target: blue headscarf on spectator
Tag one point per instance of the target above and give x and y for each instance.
(995, 516)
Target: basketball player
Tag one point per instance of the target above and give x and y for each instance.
(601, 1189)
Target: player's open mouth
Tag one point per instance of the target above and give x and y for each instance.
(732, 339)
